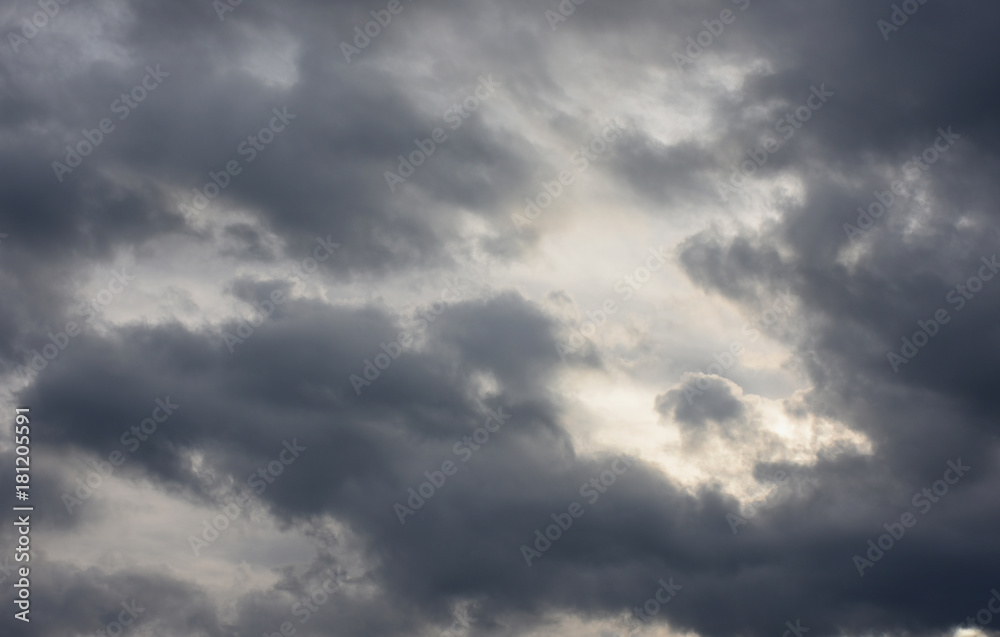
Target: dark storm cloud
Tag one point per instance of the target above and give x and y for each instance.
(324, 175)
(54, 228)
(851, 316)
(363, 454)
(719, 405)
(339, 341)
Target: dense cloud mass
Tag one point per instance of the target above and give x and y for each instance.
(502, 319)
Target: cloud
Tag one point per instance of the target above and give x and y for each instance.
(815, 395)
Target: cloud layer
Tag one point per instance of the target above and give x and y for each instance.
(198, 211)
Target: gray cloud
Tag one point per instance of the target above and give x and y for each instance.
(495, 348)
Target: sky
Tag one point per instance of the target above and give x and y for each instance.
(481, 319)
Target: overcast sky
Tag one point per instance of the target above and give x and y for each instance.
(525, 319)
